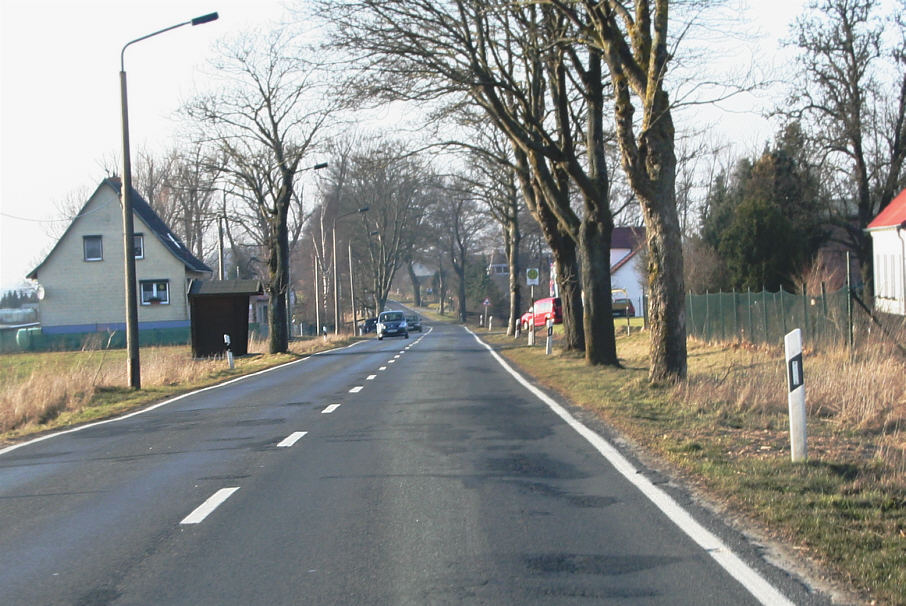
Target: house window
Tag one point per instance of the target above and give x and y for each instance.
(155, 292)
(93, 248)
(138, 244)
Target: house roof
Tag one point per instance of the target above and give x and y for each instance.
(630, 238)
(624, 261)
(894, 214)
(144, 211)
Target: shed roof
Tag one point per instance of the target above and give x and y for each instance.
(894, 214)
(212, 288)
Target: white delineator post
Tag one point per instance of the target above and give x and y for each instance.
(550, 336)
(796, 396)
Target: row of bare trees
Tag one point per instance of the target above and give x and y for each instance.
(562, 81)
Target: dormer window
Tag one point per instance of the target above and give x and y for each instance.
(138, 243)
(92, 248)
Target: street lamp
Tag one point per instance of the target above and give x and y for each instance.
(134, 367)
(336, 284)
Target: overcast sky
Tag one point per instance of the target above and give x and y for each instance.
(60, 103)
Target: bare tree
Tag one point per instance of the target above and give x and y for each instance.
(264, 124)
(546, 96)
(397, 189)
(634, 45)
(851, 93)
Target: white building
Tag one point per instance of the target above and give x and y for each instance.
(888, 236)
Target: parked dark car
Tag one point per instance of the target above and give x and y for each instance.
(414, 322)
(368, 325)
(392, 324)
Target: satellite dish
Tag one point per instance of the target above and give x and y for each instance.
(40, 292)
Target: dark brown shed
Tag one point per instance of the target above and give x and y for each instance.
(220, 307)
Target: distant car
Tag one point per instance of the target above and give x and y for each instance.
(392, 324)
(621, 304)
(549, 307)
(414, 322)
(368, 325)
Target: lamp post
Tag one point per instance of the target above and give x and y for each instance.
(336, 284)
(134, 366)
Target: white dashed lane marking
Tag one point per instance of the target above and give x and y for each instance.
(208, 507)
(330, 409)
(370, 377)
(291, 439)
(356, 389)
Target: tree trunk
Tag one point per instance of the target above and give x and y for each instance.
(514, 238)
(666, 296)
(416, 285)
(278, 270)
(594, 256)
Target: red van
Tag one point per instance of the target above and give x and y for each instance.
(544, 309)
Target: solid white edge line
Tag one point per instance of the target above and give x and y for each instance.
(291, 439)
(13, 447)
(206, 508)
(330, 409)
(356, 389)
(757, 585)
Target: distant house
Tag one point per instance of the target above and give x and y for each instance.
(82, 277)
(626, 246)
(626, 272)
(888, 237)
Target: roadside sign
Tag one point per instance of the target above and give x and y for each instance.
(486, 302)
(532, 276)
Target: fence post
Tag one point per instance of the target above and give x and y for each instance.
(764, 314)
(824, 311)
(782, 311)
(720, 312)
(707, 317)
(849, 300)
(736, 314)
(805, 327)
(751, 325)
(690, 308)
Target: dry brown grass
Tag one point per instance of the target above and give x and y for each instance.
(37, 390)
(860, 395)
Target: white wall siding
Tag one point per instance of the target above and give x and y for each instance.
(890, 283)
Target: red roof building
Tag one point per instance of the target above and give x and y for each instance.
(888, 236)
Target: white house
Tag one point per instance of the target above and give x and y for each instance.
(888, 237)
(626, 271)
(82, 276)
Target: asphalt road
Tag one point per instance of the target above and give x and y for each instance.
(411, 471)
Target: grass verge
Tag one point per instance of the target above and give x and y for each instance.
(725, 431)
(42, 392)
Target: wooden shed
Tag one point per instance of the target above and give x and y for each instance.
(220, 307)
